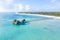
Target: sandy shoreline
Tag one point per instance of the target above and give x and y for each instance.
(42, 15)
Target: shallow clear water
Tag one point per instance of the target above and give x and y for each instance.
(48, 29)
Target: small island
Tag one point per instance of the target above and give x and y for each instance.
(43, 13)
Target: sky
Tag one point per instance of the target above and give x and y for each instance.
(29, 5)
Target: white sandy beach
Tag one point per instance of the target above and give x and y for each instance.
(41, 15)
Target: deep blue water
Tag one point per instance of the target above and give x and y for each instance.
(13, 15)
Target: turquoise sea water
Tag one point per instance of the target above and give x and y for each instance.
(48, 29)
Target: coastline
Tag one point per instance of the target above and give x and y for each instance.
(42, 15)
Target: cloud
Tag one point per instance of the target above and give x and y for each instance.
(5, 5)
(27, 7)
(20, 7)
(15, 7)
(2, 8)
(11, 6)
(53, 1)
(8, 1)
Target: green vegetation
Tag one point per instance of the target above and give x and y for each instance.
(44, 13)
